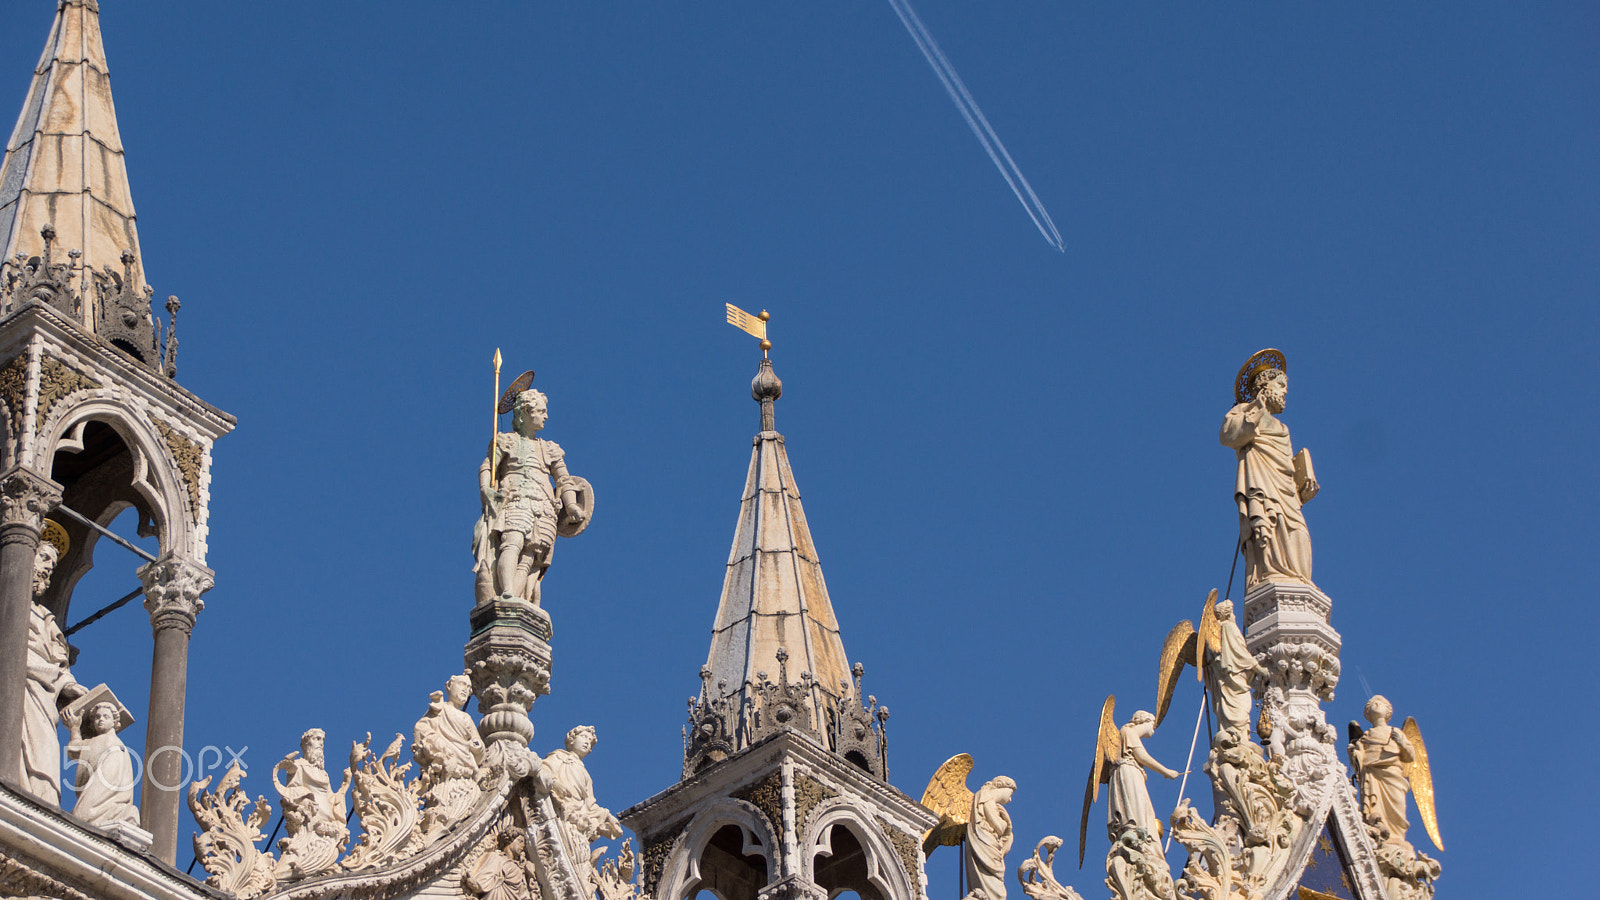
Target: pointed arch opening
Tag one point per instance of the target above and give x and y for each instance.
(846, 851)
(841, 865)
(730, 867)
(104, 473)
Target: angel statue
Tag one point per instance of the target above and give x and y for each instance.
(1272, 481)
(523, 512)
(1388, 762)
(1136, 869)
(1217, 651)
(976, 819)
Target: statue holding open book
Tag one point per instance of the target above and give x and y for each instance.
(1273, 481)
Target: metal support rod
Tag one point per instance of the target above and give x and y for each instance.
(107, 532)
(126, 599)
(1188, 764)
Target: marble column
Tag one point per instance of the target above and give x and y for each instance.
(25, 498)
(172, 595)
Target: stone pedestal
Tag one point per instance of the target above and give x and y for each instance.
(131, 836)
(508, 656)
(1286, 627)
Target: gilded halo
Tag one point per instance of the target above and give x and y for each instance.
(55, 534)
(1243, 386)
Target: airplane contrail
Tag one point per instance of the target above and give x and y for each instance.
(976, 121)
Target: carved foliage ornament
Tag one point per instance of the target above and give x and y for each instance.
(656, 850)
(767, 796)
(808, 792)
(14, 389)
(172, 592)
(188, 455)
(1037, 873)
(618, 877)
(905, 847)
(389, 807)
(18, 880)
(57, 381)
(229, 830)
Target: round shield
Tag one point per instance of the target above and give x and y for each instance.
(585, 507)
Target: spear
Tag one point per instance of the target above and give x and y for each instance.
(495, 439)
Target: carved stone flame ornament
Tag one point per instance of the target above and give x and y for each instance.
(229, 830)
(387, 805)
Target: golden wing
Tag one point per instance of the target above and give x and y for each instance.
(1421, 778)
(948, 796)
(1210, 632)
(1177, 651)
(1107, 749)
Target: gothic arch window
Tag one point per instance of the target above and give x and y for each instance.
(726, 852)
(846, 851)
(108, 461)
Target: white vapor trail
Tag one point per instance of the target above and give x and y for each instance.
(976, 121)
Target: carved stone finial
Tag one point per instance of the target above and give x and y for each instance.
(708, 737)
(169, 355)
(124, 320)
(39, 279)
(765, 388)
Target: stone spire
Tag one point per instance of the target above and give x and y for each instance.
(776, 656)
(784, 793)
(64, 163)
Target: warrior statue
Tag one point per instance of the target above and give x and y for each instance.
(1272, 481)
(523, 511)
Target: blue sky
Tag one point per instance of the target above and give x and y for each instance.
(1008, 455)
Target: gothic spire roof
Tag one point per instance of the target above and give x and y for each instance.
(776, 655)
(64, 163)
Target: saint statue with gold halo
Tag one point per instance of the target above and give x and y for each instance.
(1272, 480)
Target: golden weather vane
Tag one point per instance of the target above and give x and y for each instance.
(755, 326)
